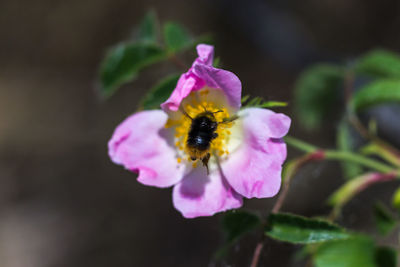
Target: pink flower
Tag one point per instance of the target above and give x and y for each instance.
(247, 153)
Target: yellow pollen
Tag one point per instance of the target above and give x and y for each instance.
(195, 104)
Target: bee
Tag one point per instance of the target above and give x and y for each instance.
(202, 132)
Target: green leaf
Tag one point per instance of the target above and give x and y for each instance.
(160, 92)
(149, 28)
(273, 104)
(176, 37)
(345, 142)
(384, 220)
(123, 62)
(301, 230)
(316, 92)
(386, 257)
(354, 252)
(396, 199)
(380, 64)
(217, 62)
(260, 103)
(245, 98)
(237, 223)
(375, 93)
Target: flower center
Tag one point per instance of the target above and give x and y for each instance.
(196, 105)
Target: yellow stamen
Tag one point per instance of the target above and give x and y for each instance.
(195, 104)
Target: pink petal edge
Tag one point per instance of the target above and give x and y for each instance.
(254, 169)
(142, 144)
(201, 195)
(203, 74)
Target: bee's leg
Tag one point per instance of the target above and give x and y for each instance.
(205, 162)
(215, 135)
(184, 112)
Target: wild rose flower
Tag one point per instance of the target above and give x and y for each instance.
(246, 149)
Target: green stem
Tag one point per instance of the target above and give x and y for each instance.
(342, 155)
(356, 158)
(301, 145)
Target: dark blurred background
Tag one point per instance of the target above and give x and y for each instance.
(62, 201)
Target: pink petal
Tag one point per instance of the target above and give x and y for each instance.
(202, 74)
(254, 169)
(225, 80)
(266, 123)
(142, 144)
(201, 195)
(206, 53)
(186, 84)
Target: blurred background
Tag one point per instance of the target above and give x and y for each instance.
(62, 201)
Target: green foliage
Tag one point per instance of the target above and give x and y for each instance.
(176, 37)
(384, 219)
(315, 93)
(217, 62)
(149, 28)
(123, 63)
(380, 64)
(301, 230)
(377, 92)
(345, 142)
(260, 103)
(386, 257)
(354, 252)
(159, 93)
(396, 199)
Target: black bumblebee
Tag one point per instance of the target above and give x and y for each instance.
(202, 132)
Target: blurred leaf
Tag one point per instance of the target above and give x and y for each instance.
(380, 64)
(384, 220)
(261, 103)
(354, 252)
(149, 28)
(176, 37)
(217, 62)
(301, 230)
(315, 93)
(273, 104)
(235, 224)
(245, 98)
(386, 257)
(377, 92)
(345, 142)
(160, 92)
(123, 62)
(396, 199)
